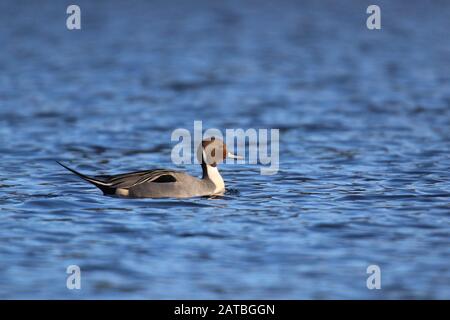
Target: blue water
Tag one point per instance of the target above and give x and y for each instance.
(364, 119)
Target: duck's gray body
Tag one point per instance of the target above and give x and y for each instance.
(184, 186)
(158, 183)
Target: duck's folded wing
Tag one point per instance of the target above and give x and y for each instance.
(132, 179)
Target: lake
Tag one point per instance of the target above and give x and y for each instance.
(364, 174)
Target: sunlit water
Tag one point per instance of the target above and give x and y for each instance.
(364, 160)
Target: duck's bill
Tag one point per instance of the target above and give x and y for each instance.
(233, 156)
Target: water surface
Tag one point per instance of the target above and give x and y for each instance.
(364, 160)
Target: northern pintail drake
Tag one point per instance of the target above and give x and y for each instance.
(162, 183)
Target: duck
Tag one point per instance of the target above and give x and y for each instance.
(164, 183)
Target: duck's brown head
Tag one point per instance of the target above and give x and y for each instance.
(214, 151)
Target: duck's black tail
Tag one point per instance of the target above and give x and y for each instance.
(102, 185)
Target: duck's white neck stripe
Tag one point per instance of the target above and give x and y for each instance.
(212, 173)
(216, 178)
